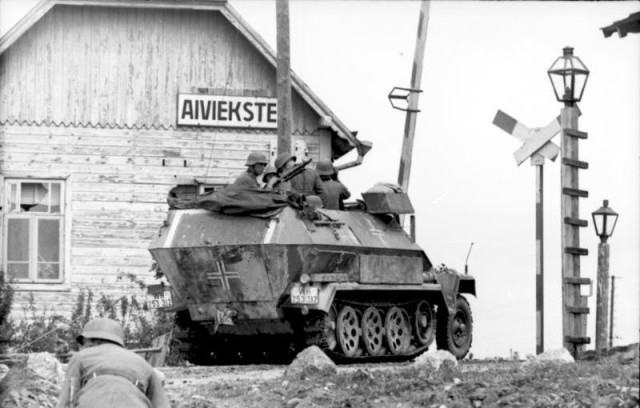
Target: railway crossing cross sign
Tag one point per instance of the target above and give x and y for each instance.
(537, 146)
(537, 143)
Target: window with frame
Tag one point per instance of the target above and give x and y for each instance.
(33, 231)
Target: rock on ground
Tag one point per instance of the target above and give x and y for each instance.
(560, 355)
(32, 384)
(46, 366)
(310, 362)
(434, 359)
(4, 369)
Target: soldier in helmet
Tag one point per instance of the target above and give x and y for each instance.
(105, 374)
(269, 177)
(308, 182)
(256, 162)
(335, 190)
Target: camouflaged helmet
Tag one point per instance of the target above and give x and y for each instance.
(255, 158)
(102, 328)
(282, 159)
(324, 168)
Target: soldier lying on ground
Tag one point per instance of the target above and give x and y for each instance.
(103, 374)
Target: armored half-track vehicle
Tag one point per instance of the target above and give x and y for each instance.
(352, 282)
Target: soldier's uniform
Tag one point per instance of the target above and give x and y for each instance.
(107, 375)
(308, 183)
(246, 180)
(335, 191)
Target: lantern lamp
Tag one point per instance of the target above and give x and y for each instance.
(604, 221)
(568, 77)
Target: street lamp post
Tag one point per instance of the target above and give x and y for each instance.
(568, 77)
(604, 221)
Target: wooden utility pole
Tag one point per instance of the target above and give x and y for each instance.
(283, 77)
(575, 310)
(414, 97)
(613, 302)
(602, 297)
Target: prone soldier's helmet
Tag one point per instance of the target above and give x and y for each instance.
(324, 168)
(283, 158)
(256, 158)
(102, 328)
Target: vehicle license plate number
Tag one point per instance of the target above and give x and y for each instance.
(159, 298)
(304, 295)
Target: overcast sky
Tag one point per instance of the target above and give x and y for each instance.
(465, 184)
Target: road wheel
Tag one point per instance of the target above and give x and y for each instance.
(424, 323)
(398, 330)
(373, 331)
(454, 332)
(348, 331)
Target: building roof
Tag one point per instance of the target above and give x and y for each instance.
(630, 24)
(328, 118)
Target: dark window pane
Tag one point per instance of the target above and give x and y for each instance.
(18, 270)
(55, 198)
(18, 240)
(34, 197)
(48, 271)
(48, 240)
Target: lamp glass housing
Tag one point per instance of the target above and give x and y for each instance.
(604, 220)
(568, 76)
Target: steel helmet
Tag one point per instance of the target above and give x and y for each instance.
(283, 158)
(324, 168)
(255, 158)
(102, 328)
(271, 169)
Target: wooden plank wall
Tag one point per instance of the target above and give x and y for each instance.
(112, 66)
(117, 185)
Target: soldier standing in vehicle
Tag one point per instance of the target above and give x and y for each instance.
(308, 182)
(103, 374)
(256, 163)
(335, 190)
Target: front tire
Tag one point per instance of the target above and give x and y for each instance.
(455, 330)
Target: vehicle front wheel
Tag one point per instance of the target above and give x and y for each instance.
(455, 330)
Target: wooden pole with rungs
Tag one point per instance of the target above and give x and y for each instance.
(574, 310)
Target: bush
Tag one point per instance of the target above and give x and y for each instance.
(35, 332)
(6, 300)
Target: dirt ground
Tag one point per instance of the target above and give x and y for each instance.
(471, 384)
(602, 382)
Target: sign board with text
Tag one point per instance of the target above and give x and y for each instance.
(227, 111)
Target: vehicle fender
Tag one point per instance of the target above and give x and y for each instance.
(449, 281)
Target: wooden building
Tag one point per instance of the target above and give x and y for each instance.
(105, 106)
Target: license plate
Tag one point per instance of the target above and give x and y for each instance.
(304, 295)
(159, 297)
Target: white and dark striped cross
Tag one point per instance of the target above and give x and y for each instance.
(222, 275)
(537, 143)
